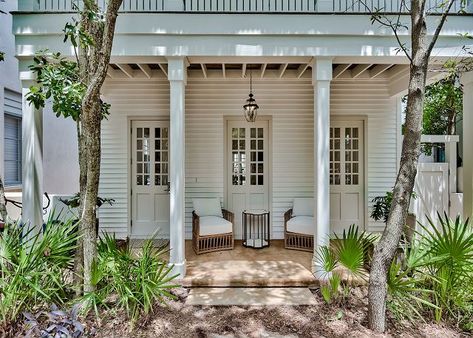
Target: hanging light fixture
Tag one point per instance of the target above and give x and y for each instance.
(250, 109)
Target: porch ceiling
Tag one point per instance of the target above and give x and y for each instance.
(294, 69)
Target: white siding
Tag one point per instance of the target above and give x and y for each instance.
(288, 103)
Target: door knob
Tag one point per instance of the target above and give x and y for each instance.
(168, 189)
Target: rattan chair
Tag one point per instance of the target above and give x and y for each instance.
(297, 240)
(212, 242)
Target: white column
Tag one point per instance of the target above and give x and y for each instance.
(32, 157)
(177, 75)
(321, 77)
(467, 81)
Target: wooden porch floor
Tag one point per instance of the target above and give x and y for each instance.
(270, 267)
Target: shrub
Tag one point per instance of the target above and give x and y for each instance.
(33, 266)
(349, 253)
(55, 323)
(137, 282)
(438, 274)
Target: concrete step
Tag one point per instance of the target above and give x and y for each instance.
(245, 273)
(250, 296)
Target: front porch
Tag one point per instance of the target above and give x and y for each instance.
(274, 266)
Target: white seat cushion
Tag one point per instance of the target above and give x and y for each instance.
(207, 207)
(303, 207)
(302, 225)
(213, 225)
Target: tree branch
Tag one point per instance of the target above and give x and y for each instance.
(440, 26)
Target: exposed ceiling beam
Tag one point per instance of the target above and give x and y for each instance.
(301, 70)
(263, 69)
(146, 70)
(163, 69)
(378, 70)
(358, 70)
(204, 69)
(282, 69)
(110, 72)
(126, 69)
(224, 73)
(243, 70)
(340, 69)
(398, 72)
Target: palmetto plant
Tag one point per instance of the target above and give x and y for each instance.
(34, 266)
(138, 280)
(348, 253)
(438, 272)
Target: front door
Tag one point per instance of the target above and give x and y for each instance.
(346, 175)
(150, 179)
(247, 168)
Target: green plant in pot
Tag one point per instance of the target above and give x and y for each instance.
(380, 211)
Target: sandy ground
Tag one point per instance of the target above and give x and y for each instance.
(180, 320)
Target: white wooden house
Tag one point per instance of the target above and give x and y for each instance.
(327, 81)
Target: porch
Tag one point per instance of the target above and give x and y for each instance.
(274, 266)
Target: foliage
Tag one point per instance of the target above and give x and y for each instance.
(349, 253)
(55, 323)
(382, 206)
(438, 276)
(58, 79)
(137, 281)
(74, 201)
(33, 266)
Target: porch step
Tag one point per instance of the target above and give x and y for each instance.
(245, 273)
(250, 296)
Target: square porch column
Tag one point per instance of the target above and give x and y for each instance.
(467, 81)
(32, 157)
(321, 77)
(177, 76)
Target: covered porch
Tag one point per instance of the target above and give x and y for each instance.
(199, 100)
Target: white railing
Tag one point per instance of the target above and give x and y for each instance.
(250, 6)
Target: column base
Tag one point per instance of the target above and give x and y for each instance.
(179, 269)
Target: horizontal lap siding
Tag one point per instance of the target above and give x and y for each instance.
(289, 103)
(370, 98)
(129, 98)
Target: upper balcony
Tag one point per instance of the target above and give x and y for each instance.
(252, 6)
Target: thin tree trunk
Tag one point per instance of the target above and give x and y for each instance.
(3, 208)
(79, 255)
(386, 248)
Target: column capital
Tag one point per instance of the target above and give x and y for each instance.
(321, 69)
(466, 78)
(27, 78)
(177, 68)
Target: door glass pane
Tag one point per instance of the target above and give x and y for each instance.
(335, 163)
(142, 156)
(351, 156)
(161, 156)
(257, 156)
(238, 166)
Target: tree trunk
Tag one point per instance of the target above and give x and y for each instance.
(93, 67)
(3, 207)
(385, 249)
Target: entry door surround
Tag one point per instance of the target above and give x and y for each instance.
(149, 179)
(248, 172)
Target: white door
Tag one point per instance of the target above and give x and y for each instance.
(247, 168)
(150, 179)
(346, 175)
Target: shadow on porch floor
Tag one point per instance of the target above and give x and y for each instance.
(270, 267)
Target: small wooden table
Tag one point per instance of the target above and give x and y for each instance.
(256, 231)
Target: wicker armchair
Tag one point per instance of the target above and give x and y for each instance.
(213, 242)
(296, 241)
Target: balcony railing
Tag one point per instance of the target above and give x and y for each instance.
(251, 6)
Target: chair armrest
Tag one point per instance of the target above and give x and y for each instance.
(195, 223)
(287, 217)
(228, 215)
